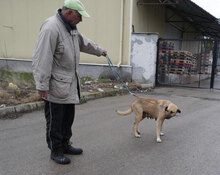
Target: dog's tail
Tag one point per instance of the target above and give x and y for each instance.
(124, 112)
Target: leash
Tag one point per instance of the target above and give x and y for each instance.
(118, 77)
(123, 84)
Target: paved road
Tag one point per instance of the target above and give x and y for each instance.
(191, 145)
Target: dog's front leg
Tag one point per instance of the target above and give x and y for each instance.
(159, 127)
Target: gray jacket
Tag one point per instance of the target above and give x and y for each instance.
(56, 60)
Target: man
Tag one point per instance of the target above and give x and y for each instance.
(55, 69)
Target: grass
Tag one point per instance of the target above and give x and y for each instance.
(24, 78)
(100, 80)
(24, 90)
(84, 79)
(104, 80)
(28, 77)
(18, 78)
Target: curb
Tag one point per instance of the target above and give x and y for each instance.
(21, 108)
(28, 107)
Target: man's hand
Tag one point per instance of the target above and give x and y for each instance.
(104, 53)
(43, 94)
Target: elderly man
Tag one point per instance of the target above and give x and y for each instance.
(55, 68)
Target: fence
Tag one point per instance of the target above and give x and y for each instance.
(188, 63)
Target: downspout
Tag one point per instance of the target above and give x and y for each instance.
(121, 33)
(130, 29)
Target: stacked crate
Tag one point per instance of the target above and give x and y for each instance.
(164, 52)
(179, 62)
(175, 61)
(193, 66)
(182, 62)
(206, 62)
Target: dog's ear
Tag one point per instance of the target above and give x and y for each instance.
(166, 108)
(178, 110)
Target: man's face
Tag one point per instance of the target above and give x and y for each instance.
(74, 18)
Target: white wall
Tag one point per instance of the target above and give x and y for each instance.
(143, 58)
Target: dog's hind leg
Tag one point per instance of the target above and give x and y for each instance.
(135, 128)
(138, 118)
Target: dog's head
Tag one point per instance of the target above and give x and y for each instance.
(171, 110)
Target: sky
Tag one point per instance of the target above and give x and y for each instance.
(211, 6)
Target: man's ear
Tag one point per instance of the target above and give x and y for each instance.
(178, 110)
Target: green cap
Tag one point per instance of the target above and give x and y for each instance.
(76, 5)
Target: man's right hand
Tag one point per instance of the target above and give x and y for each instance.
(104, 53)
(43, 94)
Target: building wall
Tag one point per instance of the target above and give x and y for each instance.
(152, 19)
(149, 19)
(20, 21)
(172, 32)
(110, 28)
(104, 27)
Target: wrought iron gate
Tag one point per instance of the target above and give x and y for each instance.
(188, 63)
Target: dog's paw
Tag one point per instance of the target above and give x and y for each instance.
(159, 140)
(161, 134)
(137, 135)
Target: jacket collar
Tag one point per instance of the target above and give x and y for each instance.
(67, 25)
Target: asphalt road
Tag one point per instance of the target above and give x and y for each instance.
(191, 145)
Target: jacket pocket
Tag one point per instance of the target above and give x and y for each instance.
(59, 51)
(60, 85)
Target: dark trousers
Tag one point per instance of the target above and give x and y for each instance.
(59, 120)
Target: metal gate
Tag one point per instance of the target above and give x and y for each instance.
(188, 63)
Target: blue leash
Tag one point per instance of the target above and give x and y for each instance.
(118, 77)
(124, 86)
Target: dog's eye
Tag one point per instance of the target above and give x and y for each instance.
(171, 112)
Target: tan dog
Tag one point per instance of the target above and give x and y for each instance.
(151, 108)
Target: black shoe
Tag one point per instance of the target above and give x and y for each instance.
(68, 149)
(59, 158)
